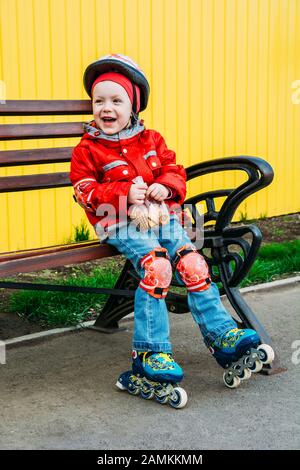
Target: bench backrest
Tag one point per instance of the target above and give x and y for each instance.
(8, 132)
(259, 172)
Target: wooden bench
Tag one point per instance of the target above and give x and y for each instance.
(227, 265)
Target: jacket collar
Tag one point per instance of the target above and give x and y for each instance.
(91, 129)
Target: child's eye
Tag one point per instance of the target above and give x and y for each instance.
(117, 101)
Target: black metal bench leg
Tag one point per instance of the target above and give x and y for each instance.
(249, 320)
(116, 306)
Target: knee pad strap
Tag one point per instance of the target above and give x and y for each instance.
(192, 268)
(158, 273)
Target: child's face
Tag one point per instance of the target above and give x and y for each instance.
(111, 107)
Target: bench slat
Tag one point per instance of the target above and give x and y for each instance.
(35, 156)
(54, 260)
(40, 131)
(13, 255)
(45, 107)
(10, 184)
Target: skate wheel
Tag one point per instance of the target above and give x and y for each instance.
(242, 374)
(147, 392)
(162, 400)
(133, 387)
(120, 386)
(266, 353)
(246, 374)
(178, 398)
(256, 367)
(231, 381)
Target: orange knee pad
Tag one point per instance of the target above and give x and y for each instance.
(192, 268)
(158, 273)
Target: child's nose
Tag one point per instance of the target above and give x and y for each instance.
(107, 106)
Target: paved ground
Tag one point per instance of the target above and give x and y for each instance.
(59, 394)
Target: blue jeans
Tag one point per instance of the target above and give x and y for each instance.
(151, 321)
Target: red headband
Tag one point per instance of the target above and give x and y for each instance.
(124, 82)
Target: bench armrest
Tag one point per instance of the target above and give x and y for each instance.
(235, 264)
(260, 174)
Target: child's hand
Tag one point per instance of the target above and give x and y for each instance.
(158, 192)
(137, 193)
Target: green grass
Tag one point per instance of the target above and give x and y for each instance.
(273, 251)
(274, 260)
(65, 309)
(81, 232)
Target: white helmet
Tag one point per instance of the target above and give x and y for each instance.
(122, 64)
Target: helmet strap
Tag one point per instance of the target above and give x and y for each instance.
(134, 99)
(133, 120)
(134, 117)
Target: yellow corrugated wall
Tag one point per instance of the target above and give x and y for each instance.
(224, 75)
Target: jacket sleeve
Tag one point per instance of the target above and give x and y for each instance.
(171, 175)
(89, 192)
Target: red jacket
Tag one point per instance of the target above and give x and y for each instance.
(103, 167)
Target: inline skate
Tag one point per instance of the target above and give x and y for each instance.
(154, 375)
(239, 352)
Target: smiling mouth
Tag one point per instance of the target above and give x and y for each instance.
(108, 119)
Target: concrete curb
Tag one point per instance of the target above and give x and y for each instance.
(20, 340)
(43, 334)
(267, 286)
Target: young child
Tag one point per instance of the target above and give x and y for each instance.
(119, 166)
